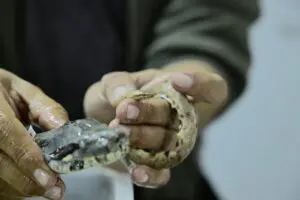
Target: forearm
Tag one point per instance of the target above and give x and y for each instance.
(209, 30)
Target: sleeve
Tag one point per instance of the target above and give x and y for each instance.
(212, 30)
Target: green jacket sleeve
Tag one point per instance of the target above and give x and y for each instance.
(215, 30)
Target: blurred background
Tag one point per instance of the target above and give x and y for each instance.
(252, 152)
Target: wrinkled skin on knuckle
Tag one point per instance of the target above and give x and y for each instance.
(25, 156)
(6, 125)
(29, 188)
(143, 77)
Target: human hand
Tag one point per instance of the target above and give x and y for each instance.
(23, 172)
(146, 121)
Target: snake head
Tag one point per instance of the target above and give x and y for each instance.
(104, 143)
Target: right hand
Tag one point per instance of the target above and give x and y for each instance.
(23, 171)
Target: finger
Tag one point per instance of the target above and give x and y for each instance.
(143, 136)
(9, 192)
(142, 78)
(43, 110)
(116, 85)
(202, 86)
(96, 105)
(150, 111)
(22, 184)
(102, 97)
(148, 177)
(21, 148)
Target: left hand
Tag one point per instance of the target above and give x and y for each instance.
(145, 121)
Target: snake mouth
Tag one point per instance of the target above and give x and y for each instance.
(61, 153)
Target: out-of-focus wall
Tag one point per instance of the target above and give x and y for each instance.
(252, 152)
(97, 184)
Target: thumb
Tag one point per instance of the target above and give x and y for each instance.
(117, 85)
(101, 99)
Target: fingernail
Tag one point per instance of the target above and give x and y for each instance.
(182, 80)
(120, 91)
(140, 176)
(41, 176)
(53, 193)
(52, 120)
(56, 122)
(132, 112)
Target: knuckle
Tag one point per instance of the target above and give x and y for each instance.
(211, 86)
(111, 76)
(25, 156)
(146, 137)
(160, 178)
(4, 73)
(37, 89)
(143, 77)
(34, 89)
(58, 107)
(29, 188)
(165, 177)
(219, 87)
(6, 126)
(22, 156)
(151, 73)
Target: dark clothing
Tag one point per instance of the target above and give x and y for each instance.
(159, 32)
(65, 46)
(70, 45)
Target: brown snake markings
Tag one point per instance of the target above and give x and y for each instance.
(186, 136)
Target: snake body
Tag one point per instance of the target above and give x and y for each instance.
(182, 142)
(85, 143)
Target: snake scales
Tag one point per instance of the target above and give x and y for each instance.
(86, 143)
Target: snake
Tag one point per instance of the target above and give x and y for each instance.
(86, 143)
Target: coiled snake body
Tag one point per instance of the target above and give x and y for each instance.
(85, 143)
